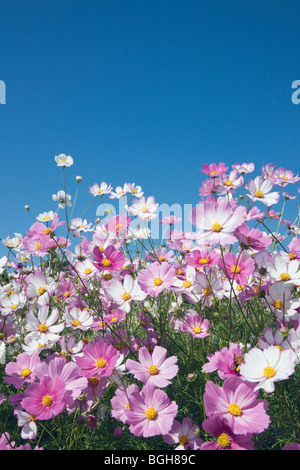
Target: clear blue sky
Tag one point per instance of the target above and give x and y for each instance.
(144, 92)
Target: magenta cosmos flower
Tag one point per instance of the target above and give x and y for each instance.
(98, 360)
(202, 258)
(45, 399)
(153, 368)
(110, 259)
(213, 170)
(196, 326)
(237, 267)
(226, 439)
(237, 403)
(150, 412)
(156, 277)
(215, 221)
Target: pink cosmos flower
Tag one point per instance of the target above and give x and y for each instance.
(273, 338)
(226, 439)
(261, 190)
(267, 366)
(213, 170)
(150, 412)
(283, 177)
(216, 221)
(69, 372)
(110, 259)
(170, 220)
(230, 183)
(185, 434)
(120, 402)
(22, 371)
(226, 361)
(281, 301)
(98, 360)
(202, 257)
(252, 238)
(196, 326)
(237, 267)
(156, 277)
(153, 368)
(244, 168)
(45, 399)
(118, 224)
(237, 403)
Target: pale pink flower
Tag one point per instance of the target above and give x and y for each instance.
(261, 190)
(156, 277)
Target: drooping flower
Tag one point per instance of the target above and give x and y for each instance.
(120, 401)
(150, 412)
(238, 404)
(267, 366)
(153, 368)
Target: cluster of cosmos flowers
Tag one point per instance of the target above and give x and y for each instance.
(83, 315)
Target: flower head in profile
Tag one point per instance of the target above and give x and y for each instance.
(150, 412)
(213, 170)
(63, 160)
(225, 439)
(153, 368)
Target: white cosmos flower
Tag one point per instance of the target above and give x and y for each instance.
(3, 262)
(260, 190)
(45, 325)
(282, 268)
(64, 160)
(267, 366)
(45, 216)
(124, 293)
(62, 198)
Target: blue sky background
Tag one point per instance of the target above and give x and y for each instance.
(144, 92)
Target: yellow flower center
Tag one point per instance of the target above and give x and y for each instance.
(151, 413)
(38, 246)
(47, 231)
(100, 363)
(118, 226)
(161, 258)
(144, 209)
(183, 440)
(106, 262)
(26, 372)
(153, 370)
(67, 294)
(47, 400)
(234, 409)
(14, 306)
(285, 277)
(41, 290)
(278, 304)
(207, 291)
(187, 284)
(101, 248)
(216, 227)
(46, 217)
(114, 319)
(197, 329)
(126, 296)
(158, 281)
(87, 271)
(269, 372)
(292, 255)
(127, 406)
(259, 194)
(107, 277)
(236, 269)
(224, 440)
(43, 327)
(93, 381)
(228, 183)
(203, 260)
(212, 173)
(279, 347)
(76, 322)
